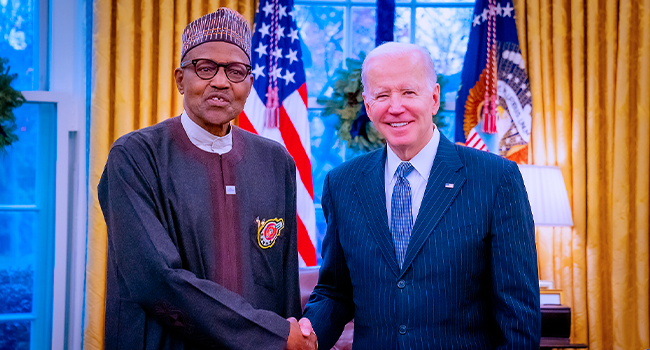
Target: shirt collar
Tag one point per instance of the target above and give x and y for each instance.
(422, 162)
(205, 140)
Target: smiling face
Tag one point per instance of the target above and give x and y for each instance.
(213, 103)
(400, 100)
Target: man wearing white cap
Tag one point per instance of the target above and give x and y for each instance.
(201, 215)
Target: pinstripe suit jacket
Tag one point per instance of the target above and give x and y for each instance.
(469, 279)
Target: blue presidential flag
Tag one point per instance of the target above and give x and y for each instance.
(493, 107)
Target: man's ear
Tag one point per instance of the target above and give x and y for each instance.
(368, 105)
(363, 94)
(178, 76)
(250, 86)
(436, 98)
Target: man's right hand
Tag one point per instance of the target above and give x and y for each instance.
(299, 338)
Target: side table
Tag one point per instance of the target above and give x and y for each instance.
(559, 343)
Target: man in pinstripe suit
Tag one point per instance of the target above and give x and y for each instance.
(429, 245)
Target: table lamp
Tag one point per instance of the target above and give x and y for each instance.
(547, 195)
(549, 203)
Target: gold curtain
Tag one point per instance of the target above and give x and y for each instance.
(589, 66)
(136, 46)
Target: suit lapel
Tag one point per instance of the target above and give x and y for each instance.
(372, 194)
(445, 182)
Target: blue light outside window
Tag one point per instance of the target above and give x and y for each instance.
(27, 174)
(21, 40)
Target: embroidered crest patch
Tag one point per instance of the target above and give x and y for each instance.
(268, 231)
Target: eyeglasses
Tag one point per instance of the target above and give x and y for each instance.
(206, 69)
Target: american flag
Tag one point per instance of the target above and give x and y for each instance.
(277, 105)
(474, 140)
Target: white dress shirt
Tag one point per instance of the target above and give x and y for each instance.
(204, 140)
(418, 178)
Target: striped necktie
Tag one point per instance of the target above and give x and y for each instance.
(401, 214)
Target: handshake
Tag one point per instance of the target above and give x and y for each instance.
(301, 335)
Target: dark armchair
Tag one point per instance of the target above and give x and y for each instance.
(308, 280)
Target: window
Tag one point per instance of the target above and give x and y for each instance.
(42, 193)
(26, 239)
(27, 178)
(335, 30)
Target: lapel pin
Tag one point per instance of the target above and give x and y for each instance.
(449, 185)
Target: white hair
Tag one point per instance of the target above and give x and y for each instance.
(394, 50)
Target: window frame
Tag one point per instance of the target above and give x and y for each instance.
(69, 78)
(63, 74)
(64, 257)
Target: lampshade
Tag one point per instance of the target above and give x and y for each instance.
(547, 195)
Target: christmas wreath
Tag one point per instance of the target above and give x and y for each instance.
(346, 102)
(9, 99)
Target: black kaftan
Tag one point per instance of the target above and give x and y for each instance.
(202, 248)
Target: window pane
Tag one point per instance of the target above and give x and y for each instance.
(327, 151)
(18, 167)
(321, 29)
(27, 173)
(18, 245)
(445, 33)
(321, 229)
(364, 24)
(19, 41)
(403, 25)
(14, 335)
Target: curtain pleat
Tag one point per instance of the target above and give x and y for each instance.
(166, 86)
(136, 46)
(100, 110)
(144, 45)
(641, 182)
(577, 271)
(589, 65)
